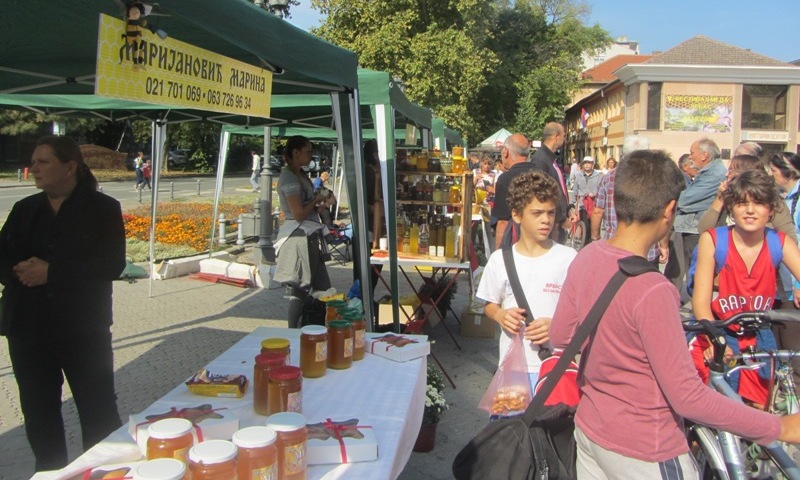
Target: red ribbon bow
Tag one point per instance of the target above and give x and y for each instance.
(392, 341)
(335, 430)
(193, 414)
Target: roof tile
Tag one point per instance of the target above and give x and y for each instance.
(701, 50)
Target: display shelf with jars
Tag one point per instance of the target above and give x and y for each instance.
(434, 206)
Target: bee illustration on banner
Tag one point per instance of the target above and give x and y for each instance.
(133, 49)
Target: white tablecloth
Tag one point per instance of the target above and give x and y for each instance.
(387, 395)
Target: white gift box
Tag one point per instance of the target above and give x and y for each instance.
(116, 470)
(210, 423)
(355, 442)
(400, 348)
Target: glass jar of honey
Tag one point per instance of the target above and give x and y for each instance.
(422, 161)
(340, 345)
(169, 438)
(331, 309)
(313, 351)
(258, 456)
(285, 390)
(213, 460)
(277, 345)
(359, 333)
(264, 363)
(160, 469)
(291, 444)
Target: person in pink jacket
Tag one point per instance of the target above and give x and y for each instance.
(639, 382)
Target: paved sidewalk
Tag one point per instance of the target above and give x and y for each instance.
(160, 341)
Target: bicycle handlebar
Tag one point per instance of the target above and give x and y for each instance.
(748, 321)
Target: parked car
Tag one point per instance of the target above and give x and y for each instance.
(314, 165)
(275, 164)
(178, 157)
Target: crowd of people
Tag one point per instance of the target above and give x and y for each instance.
(643, 370)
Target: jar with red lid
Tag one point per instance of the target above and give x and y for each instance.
(291, 444)
(258, 455)
(359, 333)
(313, 351)
(285, 389)
(263, 364)
(280, 345)
(160, 469)
(169, 438)
(213, 460)
(340, 345)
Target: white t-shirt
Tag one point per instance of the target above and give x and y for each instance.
(541, 279)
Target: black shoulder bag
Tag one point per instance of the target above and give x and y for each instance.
(539, 444)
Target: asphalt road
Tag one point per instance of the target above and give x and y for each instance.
(183, 188)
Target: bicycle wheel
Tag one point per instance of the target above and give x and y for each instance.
(707, 453)
(577, 235)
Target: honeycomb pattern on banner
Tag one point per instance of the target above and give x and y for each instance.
(698, 102)
(176, 74)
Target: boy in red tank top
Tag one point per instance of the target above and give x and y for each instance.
(746, 281)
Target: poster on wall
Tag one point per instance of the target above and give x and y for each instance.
(698, 113)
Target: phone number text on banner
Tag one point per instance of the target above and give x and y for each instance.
(135, 64)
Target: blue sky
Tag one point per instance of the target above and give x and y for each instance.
(763, 26)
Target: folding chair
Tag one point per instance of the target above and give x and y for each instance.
(339, 240)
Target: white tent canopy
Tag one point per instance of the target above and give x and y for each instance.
(496, 139)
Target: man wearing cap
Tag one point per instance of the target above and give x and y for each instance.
(587, 182)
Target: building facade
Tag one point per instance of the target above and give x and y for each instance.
(699, 88)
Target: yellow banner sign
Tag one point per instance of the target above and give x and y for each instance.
(135, 64)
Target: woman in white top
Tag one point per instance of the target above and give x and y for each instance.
(300, 265)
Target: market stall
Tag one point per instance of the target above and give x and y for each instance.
(392, 411)
(297, 62)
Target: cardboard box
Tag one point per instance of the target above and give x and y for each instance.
(477, 325)
(323, 447)
(211, 423)
(399, 348)
(385, 313)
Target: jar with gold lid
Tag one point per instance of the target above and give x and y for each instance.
(276, 344)
(313, 351)
(340, 345)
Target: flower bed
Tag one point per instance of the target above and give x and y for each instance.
(179, 223)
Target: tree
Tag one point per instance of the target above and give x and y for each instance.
(480, 65)
(436, 48)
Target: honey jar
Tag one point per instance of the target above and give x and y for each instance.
(277, 345)
(359, 332)
(340, 345)
(264, 363)
(313, 351)
(169, 438)
(213, 460)
(291, 444)
(285, 390)
(258, 457)
(331, 310)
(160, 469)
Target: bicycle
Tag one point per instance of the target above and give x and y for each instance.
(578, 231)
(722, 455)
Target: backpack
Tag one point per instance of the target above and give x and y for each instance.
(721, 253)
